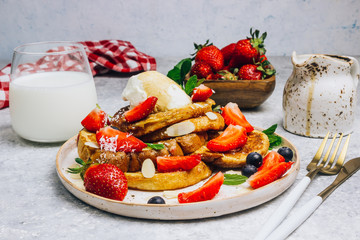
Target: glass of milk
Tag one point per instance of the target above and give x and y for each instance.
(51, 90)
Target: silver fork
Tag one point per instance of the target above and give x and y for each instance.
(317, 165)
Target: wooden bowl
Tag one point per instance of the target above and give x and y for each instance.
(246, 93)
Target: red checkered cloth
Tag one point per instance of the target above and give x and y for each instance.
(104, 56)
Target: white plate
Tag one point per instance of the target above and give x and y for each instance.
(230, 199)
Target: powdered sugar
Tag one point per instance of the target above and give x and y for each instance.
(108, 143)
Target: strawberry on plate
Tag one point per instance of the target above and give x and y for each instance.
(266, 176)
(177, 163)
(232, 138)
(206, 192)
(232, 115)
(211, 55)
(271, 159)
(95, 120)
(106, 180)
(201, 70)
(111, 139)
(142, 110)
(201, 93)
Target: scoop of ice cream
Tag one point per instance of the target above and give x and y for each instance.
(151, 83)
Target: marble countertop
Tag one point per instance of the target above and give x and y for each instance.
(35, 205)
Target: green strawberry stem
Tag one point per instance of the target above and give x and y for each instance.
(81, 169)
(258, 42)
(199, 47)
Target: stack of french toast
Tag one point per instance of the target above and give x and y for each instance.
(181, 131)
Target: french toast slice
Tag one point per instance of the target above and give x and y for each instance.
(160, 120)
(130, 163)
(168, 180)
(257, 142)
(193, 125)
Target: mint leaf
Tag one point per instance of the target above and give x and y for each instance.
(179, 71)
(234, 179)
(175, 74)
(185, 67)
(274, 140)
(191, 84)
(155, 146)
(270, 130)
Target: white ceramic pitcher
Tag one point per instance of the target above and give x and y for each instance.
(320, 95)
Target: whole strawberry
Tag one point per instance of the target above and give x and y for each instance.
(106, 180)
(209, 54)
(248, 50)
(201, 70)
(228, 52)
(250, 72)
(260, 70)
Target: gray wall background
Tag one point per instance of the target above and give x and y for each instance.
(168, 28)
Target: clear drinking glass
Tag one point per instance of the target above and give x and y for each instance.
(51, 90)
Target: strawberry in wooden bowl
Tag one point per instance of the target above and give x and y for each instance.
(239, 72)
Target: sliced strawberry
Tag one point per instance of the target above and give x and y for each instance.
(201, 93)
(111, 139)
(232, 138)
(266, 176)
(232, 115)
(106, 180)
(206, 192)
(142, 110)
(177, 163)
(271, 159)
(95, 120)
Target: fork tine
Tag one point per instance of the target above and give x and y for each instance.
(318, 154)
(329, 151)
(335, 150)
(340, 161)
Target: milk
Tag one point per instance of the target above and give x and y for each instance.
(48, 107)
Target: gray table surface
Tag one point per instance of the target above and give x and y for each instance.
(35, 205)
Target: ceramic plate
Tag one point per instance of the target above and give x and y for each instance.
(230, 199)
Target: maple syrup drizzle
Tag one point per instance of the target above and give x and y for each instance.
(309, 103)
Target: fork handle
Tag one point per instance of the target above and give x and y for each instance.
(296, 219)
(282, 211)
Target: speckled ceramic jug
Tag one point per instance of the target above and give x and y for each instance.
(320, 95)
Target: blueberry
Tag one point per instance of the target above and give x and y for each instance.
(156, 200)
(248, 170)
(255, 159)
(287, 153)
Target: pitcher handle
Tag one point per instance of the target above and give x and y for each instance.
(355, 71)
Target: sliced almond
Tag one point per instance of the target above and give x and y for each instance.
(180, 129)
(170, 194)
(148, 168)
(92, 144)
(211, 115)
